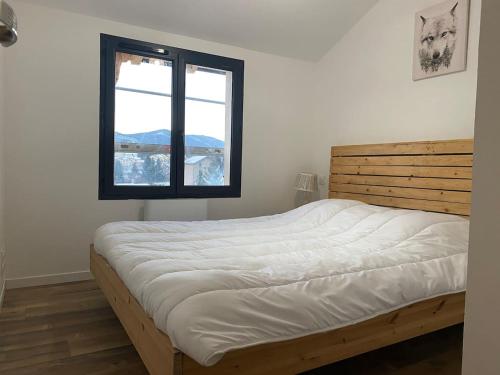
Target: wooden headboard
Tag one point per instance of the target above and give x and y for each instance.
(429, 176)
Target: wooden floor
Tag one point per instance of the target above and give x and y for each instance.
(70, 329)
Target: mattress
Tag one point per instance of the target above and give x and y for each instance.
(217, 286)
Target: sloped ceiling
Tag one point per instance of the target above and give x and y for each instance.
(304, 29)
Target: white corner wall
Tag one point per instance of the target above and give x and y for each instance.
(2, 180)
(365, 92)
(52, 76)
(482, 330)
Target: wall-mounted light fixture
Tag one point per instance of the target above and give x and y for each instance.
(8, 25)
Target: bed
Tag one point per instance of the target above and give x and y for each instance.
(292, 292)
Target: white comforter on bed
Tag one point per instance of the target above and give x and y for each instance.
(215, 286)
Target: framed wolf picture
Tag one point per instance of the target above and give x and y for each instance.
(441, 34)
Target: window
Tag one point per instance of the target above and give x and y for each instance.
(170, 122)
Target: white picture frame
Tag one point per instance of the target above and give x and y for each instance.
(440, 42)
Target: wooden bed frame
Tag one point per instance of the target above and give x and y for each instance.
(431, 176)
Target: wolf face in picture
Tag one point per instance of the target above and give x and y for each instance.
(437, 40)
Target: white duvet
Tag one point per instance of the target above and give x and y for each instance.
(216, 286)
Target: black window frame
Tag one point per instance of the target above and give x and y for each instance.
(179, 57)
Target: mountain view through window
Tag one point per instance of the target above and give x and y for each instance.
(143, 123)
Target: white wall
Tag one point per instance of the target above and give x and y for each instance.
(482, 330)
(365, 92)
(360, 92)
(52, 76)
(2, 180)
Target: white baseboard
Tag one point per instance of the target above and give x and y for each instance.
(59, 278)
(2, 292)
